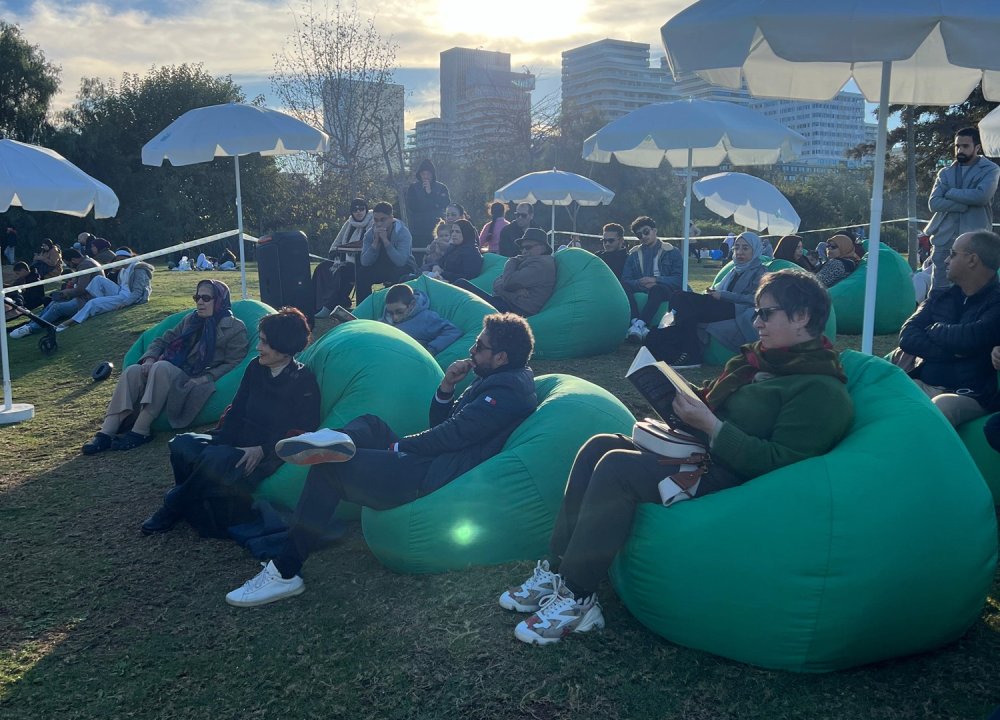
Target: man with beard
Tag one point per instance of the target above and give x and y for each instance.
(962, 200)
(365, 462)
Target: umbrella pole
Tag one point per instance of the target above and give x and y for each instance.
(552, 235)
(239, 223)
(875, 227)
(687, 221)
(9, 413)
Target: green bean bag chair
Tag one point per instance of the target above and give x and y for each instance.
(986, 458)
(503, 509)
(362, 367)
(463, 309)
(873, 551)
(588, 312)
(250, 312)
(492, 267)
(895, 300)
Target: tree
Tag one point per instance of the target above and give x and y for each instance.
(27, 84)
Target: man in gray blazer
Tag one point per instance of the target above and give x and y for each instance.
(962, 200)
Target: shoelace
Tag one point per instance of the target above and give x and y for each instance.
(538, 577)
(554, 604)
(257, 581)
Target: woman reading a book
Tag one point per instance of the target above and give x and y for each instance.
(724, 310)
(782, 400)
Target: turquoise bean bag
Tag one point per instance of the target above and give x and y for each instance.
(588, 312)
(873, 551)
(362, 367)
(461, 308)
(895, 300)
(503, 509)
(250, 312)
(986, 458)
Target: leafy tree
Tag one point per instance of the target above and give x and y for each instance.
(27, 84)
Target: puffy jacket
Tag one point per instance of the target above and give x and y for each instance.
(953, 335)
(527, 282)
(426, 326)
(467, 431)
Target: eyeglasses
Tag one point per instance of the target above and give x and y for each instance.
(204, 298)
(765, 313)
(480, 346)
(610, 240)
(644, 232)
(522, 215)
(955, 252)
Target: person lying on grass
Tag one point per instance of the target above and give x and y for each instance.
(177, 373)
(410, 311)
(365, 462)
(759, 415)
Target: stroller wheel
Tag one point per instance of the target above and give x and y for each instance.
(48, 345)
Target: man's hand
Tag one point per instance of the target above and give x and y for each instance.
(695, 413)
(145, 365)
(715, 294)
(455, 374)
(647, 282)
(995, 357)
(251, 458)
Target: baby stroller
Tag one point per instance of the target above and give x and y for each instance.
(47, 344)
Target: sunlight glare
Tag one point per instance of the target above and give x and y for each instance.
(526, 20)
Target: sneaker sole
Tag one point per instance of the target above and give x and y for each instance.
(299, 452)
(509, 603)
(526, 635)
(256, 603)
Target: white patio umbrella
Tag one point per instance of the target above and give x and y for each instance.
(690, 134)
(989, 133)
(750, 201)
(554, 187)
(235, 129)
(918, 52)
(36, 178)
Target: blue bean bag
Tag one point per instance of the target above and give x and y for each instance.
(250, 312)
(588, 312)
(503, 509)
(895, 300)
(873, 551)
(362, 367)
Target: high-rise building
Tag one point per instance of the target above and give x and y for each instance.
(612, 78)
(349, 129)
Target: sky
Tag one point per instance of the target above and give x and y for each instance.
(105, 38)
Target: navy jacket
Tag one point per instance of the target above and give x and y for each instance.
(953, 335)
(467, 431)
(461, 261)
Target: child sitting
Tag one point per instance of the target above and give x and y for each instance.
(438, 246)
(410, 311)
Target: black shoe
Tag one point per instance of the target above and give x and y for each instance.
(130, 441)
(99, 443)
(163, 520)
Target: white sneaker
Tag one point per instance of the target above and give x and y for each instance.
(266, 587)
(20, 332)
(528, 596)
(310, 448)
(637, 331)
(62, 328)
(560, 615)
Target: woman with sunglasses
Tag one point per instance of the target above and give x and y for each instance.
(177, 373)
(783, 399)
(333, 279)
(842, 260)
(724, 311)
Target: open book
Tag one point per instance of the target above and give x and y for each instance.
(659, 383)
(341, 315)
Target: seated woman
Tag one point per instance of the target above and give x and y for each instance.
(438, 247)
(790, 248)
(489, 236)
(462, 259)
(841, 261)
(47, 262)
(177, 373)
(277, 398)
(759, 415)
(731, 303)
(333, 279)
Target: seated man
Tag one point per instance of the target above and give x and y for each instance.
(28, 299)
(386, 253)
(654, 268)
(527, 281)
(386, 471)
(524, 218)
(133, 286)
(945, 345)
(410, 311)
(614, 253)
(66, 302)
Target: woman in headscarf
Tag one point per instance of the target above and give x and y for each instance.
(177, 373)
(725, 310)
(790, 248)
(782, 400)
(462, 259)
(215, 473)
(842, 260)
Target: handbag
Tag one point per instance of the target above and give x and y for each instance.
(683, 449)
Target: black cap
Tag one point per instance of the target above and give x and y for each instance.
(533, 235)
(359, 204)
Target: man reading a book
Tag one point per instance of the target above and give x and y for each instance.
(759, 415)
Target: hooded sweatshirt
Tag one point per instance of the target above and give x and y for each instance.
(424, 209)
(426, 326)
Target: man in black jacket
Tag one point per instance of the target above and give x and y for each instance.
(426, 200)
(366, 463)
(524, 218)
(946, 343)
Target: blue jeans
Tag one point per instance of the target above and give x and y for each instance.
(56, 311)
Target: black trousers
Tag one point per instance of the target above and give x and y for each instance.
(332, 284)
(497, 302)
(656, 296)
(375, 477)
(383, 270)
(689, 310)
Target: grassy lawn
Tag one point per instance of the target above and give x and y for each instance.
(97, 621)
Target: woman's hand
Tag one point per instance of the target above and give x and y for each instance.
(251, 458)
(695, 413)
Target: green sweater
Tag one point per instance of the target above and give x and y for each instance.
(769, 424)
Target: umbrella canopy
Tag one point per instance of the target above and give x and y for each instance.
(918, 53)
(36, 178)
(693, 133)
(233, 129)
(989, 133)
(750, 201)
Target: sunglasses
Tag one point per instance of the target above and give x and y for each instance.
(522, 215)
(607, 241)
(644, 232)
(954, 252)
(765, 313)
(204, 298)
(480, 346)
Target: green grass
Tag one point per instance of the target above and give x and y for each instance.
(97, 621)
